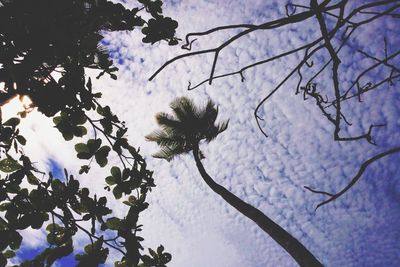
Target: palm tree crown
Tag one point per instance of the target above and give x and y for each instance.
(188, 125)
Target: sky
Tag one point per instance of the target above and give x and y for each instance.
(195, 225)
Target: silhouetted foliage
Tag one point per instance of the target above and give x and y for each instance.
(187, 127)
(337, 22)
(38, 39)
(182, 133)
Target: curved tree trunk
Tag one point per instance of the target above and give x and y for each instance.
(298, 252)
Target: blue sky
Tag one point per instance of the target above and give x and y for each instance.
(195, 225)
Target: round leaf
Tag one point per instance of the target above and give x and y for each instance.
(9, 165)
(116, 173)
(81, 147)
(117, 191)
(12, 122)
(113, 223)
(110, 180)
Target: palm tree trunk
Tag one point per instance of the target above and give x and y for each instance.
(298, 252)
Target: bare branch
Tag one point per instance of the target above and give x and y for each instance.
(265, 26)
(188, 44)
(330, 103)
(318, 192)
(354, 180)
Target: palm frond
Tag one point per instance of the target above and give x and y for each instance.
(184, 109)
(168, 153)
(162, 138)
(186, 127)
(101, 49)
(209, 112)
(169, 122)
(214, 131)
(222, 126)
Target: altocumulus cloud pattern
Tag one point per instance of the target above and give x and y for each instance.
(196, 226)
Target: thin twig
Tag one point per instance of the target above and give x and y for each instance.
(354, 180)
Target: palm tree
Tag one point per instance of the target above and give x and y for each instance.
(182, 132)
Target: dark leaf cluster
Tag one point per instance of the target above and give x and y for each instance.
(39, 41)
(43, 37)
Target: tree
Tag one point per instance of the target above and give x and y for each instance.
(41, 40)
(338, 22)
(182, 133)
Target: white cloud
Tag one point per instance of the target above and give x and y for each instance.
(194, 224)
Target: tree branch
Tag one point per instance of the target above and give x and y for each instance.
(354, 180)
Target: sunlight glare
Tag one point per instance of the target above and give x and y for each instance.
(17, 104)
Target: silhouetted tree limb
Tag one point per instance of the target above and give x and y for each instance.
(364, 165)
(265, 26)
(348, 21)
(292, 246)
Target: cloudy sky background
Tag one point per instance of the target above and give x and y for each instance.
(359, 229)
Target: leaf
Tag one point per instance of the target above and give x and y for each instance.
(58, 252)
(81, 147)
(38, 220)
(13, 188)
(160, 249)
(22, 114)
(116, 173)
(110, 180)
(84, 155)
(3, 260)
(147, 260)
(68, 135)
(117, 192)
(52, 227)
(89, 248)
(127, 203)
(80, 131)
(21, 140)
(4, 206)
(57, 120)
(80, 118)
(89, 84)
(101, 155)
(32, 179)
(120, 264)
(107, 125)
(87, 217)
(102, 201)
(100, 110)
(113, 223)
(93, 145)
(15, 240)
(113, 76)
(57, 186)
(9, 165)
(166, 257)
(102, 161)
(12, 122)
(121, 132)
(132, 199)
(84, 169)
(9, 254)
(152, 253)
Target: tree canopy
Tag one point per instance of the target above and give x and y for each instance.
(46, 46)
(184, 130)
